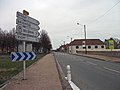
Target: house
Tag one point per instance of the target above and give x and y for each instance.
(112, 43)
(64, 48)
(85, 45)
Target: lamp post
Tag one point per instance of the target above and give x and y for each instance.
(70, 43)
(84, 27)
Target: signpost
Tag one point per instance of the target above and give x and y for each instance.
(26, 23)
(111, 44)
(26, 30)
(25, 37)
(27, 18)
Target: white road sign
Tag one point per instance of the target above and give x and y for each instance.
(30, 19)
(27, 24)
(26, 38)
(26, 30)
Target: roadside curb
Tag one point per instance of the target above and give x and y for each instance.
(102, 59)
(65, 84)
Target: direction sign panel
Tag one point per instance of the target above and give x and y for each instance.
(27, 24)
(25, 37)
(22, 56)
(30, 19)
(25, 30)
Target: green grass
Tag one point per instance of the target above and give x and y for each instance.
(8, 69)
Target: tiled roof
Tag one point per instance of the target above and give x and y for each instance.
(64, 46)
(88, 42)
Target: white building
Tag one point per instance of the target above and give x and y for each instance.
(79, 45)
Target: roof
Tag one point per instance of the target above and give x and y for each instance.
(88, 42)
(64, 46)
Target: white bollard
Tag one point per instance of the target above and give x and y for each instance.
(68, 73)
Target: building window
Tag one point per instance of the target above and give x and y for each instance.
(102, 46)
(89, 47)
(84, 47)
(96, 46)
(77, 47)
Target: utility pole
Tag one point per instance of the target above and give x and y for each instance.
(85, 39)
(84, 27)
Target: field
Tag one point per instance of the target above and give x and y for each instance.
(8, 68)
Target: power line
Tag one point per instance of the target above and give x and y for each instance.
(104, 13)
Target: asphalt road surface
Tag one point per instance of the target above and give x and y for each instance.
(91, 74)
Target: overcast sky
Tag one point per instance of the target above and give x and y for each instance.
(59, 17)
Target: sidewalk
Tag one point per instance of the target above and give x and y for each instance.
(42, 75)
(106, 58)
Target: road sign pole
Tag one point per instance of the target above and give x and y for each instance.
(24, 63)
(27, 30)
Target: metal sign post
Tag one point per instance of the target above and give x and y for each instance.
(24, 63)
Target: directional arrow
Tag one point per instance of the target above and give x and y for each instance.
(31, 55)
(25, 54)
(20, 56)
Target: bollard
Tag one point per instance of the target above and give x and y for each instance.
(68, 73)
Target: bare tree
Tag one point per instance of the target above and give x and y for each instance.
(7, 41)
(45, 41)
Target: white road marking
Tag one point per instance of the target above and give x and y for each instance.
(74, 87)
(112, 70)
(91, 63)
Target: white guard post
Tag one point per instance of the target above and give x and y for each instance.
(68, 73)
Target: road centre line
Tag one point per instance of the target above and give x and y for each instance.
(91, 63)
(111, 70)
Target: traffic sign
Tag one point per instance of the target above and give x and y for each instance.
(26, 30)
(22, 56)
(30, 19)
(25, 23)
(25, 37)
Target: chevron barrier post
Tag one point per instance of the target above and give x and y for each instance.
(22, 56)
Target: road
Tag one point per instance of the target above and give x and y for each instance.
(91, 74)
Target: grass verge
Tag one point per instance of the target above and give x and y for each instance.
(8, 69)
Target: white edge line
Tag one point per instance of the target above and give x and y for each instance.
(74, 87)
(111, 70)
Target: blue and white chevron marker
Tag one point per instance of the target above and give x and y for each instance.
(21, 56)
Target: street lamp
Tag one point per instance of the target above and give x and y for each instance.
(84, 27)
(70, 43)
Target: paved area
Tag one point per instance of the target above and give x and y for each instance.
(42, 75)
(106, 58)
